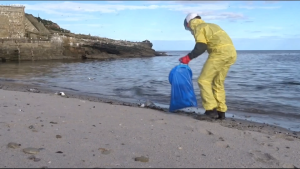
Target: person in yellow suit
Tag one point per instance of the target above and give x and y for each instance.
(222, 54)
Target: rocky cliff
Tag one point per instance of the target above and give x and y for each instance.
(46, 40)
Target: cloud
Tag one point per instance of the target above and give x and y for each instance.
(75, 11)
(199, 2)
(115, 2)
(274, 27)
(112, 8)
(85, 25)
(254, 31)
(152, 2)
(271, 36)
(80, 11)
(248, 2)
(259, 7)
(270, 2)
(196, 7)
(86, 7)
(223, 15)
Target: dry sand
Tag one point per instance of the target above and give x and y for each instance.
(75, 133)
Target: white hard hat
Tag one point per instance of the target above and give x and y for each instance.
(187, 19)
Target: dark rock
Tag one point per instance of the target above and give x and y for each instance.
(83, 57)
(141, 159)
(31, 157)
(161, 54)
(3, 60)
(36, 159)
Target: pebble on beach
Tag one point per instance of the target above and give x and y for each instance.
(13, 145)
(141, 159)
(104, 151)
(31, 150)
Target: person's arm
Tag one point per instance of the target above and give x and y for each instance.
(200, 46)
(198, 50)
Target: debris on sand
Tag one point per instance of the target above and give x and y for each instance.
(209, 132)
(141, 159)
(34, 158)
(31, 157)
(149, 103)
(104, 151)
(58, 136)
(34, 90)
(60, 93)
(31, 150)
(13, 145)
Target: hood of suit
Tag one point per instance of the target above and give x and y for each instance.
(194, 23)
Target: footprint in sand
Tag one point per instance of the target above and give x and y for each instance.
(264, 157)
(272, 145)
(222, 143)
(245, 134)
(204, 118)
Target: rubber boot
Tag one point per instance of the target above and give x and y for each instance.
(221, 115)
(211, 113)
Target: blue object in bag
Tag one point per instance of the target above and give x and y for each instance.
(182, 90)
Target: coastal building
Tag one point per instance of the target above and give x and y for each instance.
(12, 21)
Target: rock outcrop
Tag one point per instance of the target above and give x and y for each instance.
(45, 40)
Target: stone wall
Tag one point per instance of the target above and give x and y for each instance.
(38, 25)
(13, 50)
(29, 26)
(12, 21)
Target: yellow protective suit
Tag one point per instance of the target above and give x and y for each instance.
(222, 55)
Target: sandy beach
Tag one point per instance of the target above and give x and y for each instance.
(75, 132)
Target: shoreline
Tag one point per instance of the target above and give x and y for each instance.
(40, 130)
(230, 122)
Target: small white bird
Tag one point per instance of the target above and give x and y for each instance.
(90, 78)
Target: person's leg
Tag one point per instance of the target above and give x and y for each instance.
(219, 88)
(209, 71)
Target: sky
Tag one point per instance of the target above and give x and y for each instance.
(252, 25)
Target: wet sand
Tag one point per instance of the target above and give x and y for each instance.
(81, 131)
